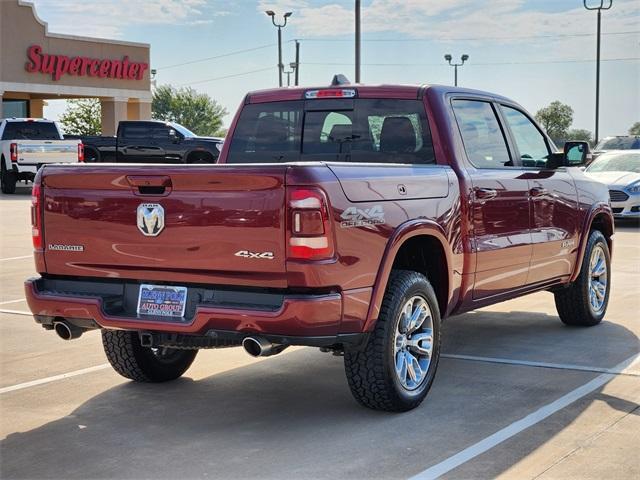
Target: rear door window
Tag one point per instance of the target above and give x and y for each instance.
(364, 130)
(482, 136)
(136, 132)
(30, 131)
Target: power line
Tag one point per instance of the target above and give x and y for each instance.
(520, 37)
(470, 64)
(226, 76)
(262, 47)
(229, 54)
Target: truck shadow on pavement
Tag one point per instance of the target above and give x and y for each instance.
(292, 416)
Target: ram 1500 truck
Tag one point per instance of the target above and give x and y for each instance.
(350, 218)
(151, 141)
(28, 143)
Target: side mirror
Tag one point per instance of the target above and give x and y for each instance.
(174, 136)
(576, 154)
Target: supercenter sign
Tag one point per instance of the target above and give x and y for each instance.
(59, 65)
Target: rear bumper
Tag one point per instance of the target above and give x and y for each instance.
(25, 169)
(299, 319)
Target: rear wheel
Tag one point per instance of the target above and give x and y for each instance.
(143, 364)
(584, 302)
(8, 179)
(91, 155)
(396, 368)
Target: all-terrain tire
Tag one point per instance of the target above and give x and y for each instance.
(131, 360)
(371, 371)
(8, 179)
(573, 302)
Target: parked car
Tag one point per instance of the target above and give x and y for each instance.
(28, 143)
(620, 171)
(620, 142)
(350, 218)
(151, 141)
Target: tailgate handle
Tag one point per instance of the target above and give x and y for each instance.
(150, 184)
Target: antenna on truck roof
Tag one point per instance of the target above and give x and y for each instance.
(340, 79)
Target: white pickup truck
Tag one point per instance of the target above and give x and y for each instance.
(28, 143)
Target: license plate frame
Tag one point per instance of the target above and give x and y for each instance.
(165, 301)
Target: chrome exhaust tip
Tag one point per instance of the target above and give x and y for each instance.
(261, 347)
(67, 331)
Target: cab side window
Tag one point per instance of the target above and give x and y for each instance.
(481, 134)
(529, 140)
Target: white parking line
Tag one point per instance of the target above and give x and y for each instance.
(12, 301)
(527, 363)
(539, 415)
(54, 378)
(15, 258)
(16, 312)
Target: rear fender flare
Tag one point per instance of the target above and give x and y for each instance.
(403, 233)
(598, 208)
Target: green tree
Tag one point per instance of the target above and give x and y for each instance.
(635, 129)
(196, 111)
(82, 117)
(556, 119)
(580, 134)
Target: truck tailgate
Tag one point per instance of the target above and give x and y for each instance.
(37, 152)
(190, 223)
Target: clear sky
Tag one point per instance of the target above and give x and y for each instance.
(534, 51)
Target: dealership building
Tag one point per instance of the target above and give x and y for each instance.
(36, 65)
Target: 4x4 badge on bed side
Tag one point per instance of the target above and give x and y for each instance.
(357, 217)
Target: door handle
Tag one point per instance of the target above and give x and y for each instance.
(538, 191)
(485, 193)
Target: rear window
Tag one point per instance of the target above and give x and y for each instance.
(363, 130)
(30, 131)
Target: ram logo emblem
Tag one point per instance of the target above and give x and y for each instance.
(150, 219)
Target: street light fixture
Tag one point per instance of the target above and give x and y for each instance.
(602, 5)
(455, 66)
(280, 26)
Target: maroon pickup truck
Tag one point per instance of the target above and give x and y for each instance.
(350, 218)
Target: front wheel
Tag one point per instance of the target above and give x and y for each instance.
(396, 368)
(143, 364)
(584, 302)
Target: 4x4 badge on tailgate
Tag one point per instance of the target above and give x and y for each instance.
(150, 219)
(248, 254)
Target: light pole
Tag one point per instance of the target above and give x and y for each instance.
(455, 66)
(357, 29)
(280, 26)
(603, 5)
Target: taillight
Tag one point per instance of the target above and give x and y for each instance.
(80, 152)
(13, 151)
(36, 224)
(309, 226)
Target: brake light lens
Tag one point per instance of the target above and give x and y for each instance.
(36, 224)
(331, 93)
(309, 226)
(13, 152)
(80, 152)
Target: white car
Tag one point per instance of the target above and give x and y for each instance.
(28, 143)
(620, 170)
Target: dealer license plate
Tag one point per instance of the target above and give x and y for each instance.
(162, 301)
